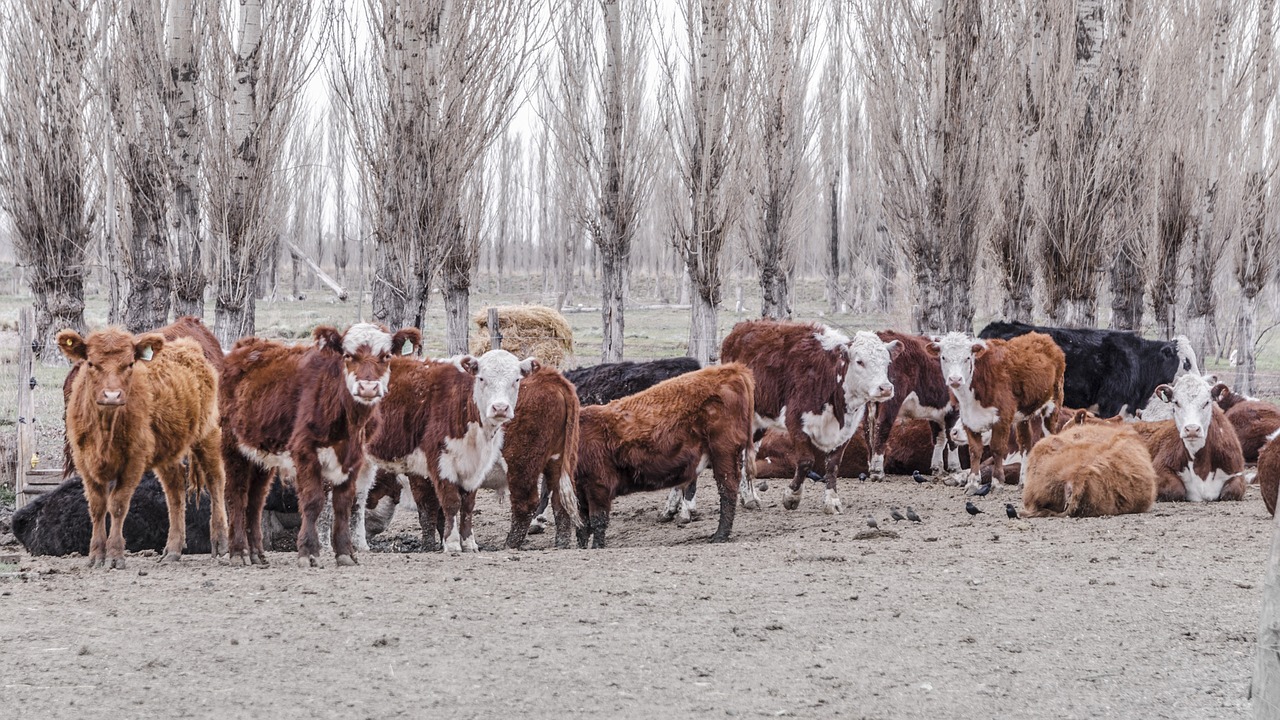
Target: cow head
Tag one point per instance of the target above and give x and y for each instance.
(867, 377)
(1191, 398)
(1185, 354)
(366, 356)
(957, 352)
(497, 383)
(108, 358)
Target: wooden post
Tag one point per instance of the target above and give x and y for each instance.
(1266, 668)
(495, 333)
(26, 401)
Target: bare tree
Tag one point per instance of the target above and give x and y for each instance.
(47, 170)
(706, 128)
(780, 45)
(831, 143)
(185, 38)
(259, 69)
(338, 166)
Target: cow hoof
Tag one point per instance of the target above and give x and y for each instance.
(453, 547)
(762, 486)
(831, 505)
(537, 527)
(260, 559)
(170, 558)
(241, 560)
(952, 480)
(469, 545)
(346, 561)
(308, 562)
(717, 538)
(751, 503)
(663, 517)
(117, 563)
(95, 562)
(790, 499)
(877, 476)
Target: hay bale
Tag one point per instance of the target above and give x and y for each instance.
(527, 331)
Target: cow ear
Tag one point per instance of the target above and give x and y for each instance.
(468, 364)
(979, 349)
(327, 337)
(934, 349)
(529, 366)
(1079, 417)
(407, 342)
(895, 349)
(1219, 392)
(72, 345)
(1169, 351)
(1211, 378)
(146, 346)
(1165, 393)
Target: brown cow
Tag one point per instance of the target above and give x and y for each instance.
(919, 391)
(814, 383)
(1197, 455)
(1252, 419)
(1269, 471)
(140, 403)
(662, 438)
(1001, 384)
(1089, 471)
(302, 411)
(443, 423)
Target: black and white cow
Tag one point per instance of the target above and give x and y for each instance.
(602, 384)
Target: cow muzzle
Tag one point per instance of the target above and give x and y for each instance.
(955, 382)
(884, 392)
(1192, 432)
(111, 398)
(368, 390)
(500, 412)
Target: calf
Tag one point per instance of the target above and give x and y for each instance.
(814, 383)
(909, 449)
(1268, 472)
(919, 391)
(1089, 471)
(998, 385)
(301, 411)
(443, 422)
(1109, 372)
(606, 382)
(1252, 419)
(662, 438)
(1197, 455)
(142, 403)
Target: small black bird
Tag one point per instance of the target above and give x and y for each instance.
(862, 477)
(1010, 511)
(970, 508)
(893, 513)
(911, 514)
(815, 477)
(871, 523)
(915, 475)
(982, 490)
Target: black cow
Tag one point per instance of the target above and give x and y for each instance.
(1109, 371)
(57, 522)
(602, 384)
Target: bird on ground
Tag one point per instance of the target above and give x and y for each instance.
(982, 490)
(862, 477)
(915, 475)
(1010, 511)
(911, 514)
(871, 523)
(970, 508)
(815, 476)
(893, 513)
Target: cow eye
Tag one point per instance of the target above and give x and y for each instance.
(860, 363)
(383, 357)
(348, 357)
(479, 379)
(132, 364)
(90, 365)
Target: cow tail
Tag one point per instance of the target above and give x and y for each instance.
(565, 496)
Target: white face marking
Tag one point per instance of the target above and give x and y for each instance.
(1186, 357)
(380, 385)
(830, 338)
(375, 338)
(497, 385)
(277, 461)
(867, 378)
(956, 357)
(826, 432)
(1156, 410)
(330, 468)
(466, 461)
(957, 434)
(1203, 489)
(1192, 410)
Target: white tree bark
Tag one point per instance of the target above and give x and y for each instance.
(189, 278)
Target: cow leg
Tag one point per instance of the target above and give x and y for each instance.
(937, 464)
(364, 482)
(174, 484)
(830, 473)
(206, 455)
(791, 496)
(344, 496)
(975, 447)
(725, 467)
(1026, 441)
(311, 498)
(675, 496)
(566, 501)
(450, 505)
(689, 502)
(523, 491)
(999, 451)
(466, 513)
(542, 516)
(260, 486)
(747, 486)
(880, 418)
(379, 517)
(757, 437)
(97, 499)
(241, 474)
(118, 505)
(598, 521)
(424, 496)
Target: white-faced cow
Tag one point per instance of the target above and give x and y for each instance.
(442, 423)
(1197, 455)
(919, 391)
(301, 411)
(1000, 385)
(814, 383)
(1253, 419)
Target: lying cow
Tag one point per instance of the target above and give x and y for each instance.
(909, 449)
(1268, 471)
(1089, 471)
(142, 403)
(1109, 372)
(442, 424)
(1001, 385)
(1197, 455)
(606, 382)
(300, 411)
(919, 391)
(1252, 419)
(662, 438)
(814, 383)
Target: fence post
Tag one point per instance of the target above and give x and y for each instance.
(26, 401)
(495, 333)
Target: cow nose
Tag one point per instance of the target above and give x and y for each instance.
(954, 380)
(886, 390)
(368, 389)
(112, 397)
(1192, 430)
(499, 409)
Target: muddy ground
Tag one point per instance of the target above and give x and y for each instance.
(1149, 616)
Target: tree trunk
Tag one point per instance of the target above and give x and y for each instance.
(59, 302)
(391, 303)
(147, 306)
(234, 316)
(614, 285)
(1127, 293)
(929, 313)
(1266, 668)
(188, 270)
(773, 288)
(457, 312)
(1246, 360)
(704, 343)
(833, 245)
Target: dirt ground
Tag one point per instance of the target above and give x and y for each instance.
(1149, 616)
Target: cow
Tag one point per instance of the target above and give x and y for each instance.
(662, 438)
(1197, 455)
(1268, 472)
(919, 391)
(443, 425)
(1252, 419)
(998, 385)
(143, 403)
(606, 382)
(1109, 372)
(909, 449)
(301, 411)
(1089, 470)
(813, 382)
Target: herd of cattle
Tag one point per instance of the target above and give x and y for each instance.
(352, 415)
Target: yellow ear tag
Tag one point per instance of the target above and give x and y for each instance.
(70, 342)
(407, 348)
(148, 353)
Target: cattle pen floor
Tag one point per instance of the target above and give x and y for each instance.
(1148, 616)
